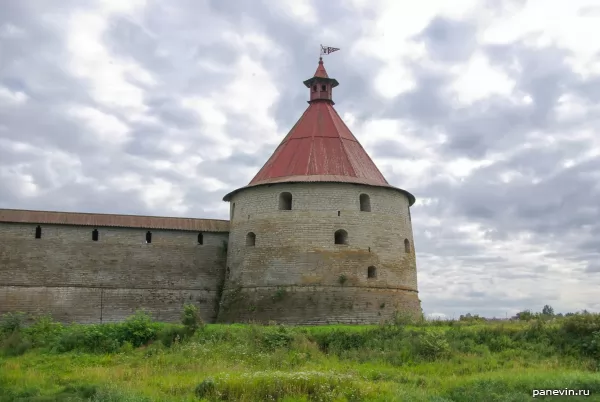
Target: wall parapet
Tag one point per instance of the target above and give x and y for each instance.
(112, 220)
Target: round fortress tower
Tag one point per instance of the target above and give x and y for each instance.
(319, 236)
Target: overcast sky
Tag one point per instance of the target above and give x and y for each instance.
(487, 111)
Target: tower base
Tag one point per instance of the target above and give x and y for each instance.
(317, 305)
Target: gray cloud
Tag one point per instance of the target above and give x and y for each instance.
(449, 40)
(182, 46)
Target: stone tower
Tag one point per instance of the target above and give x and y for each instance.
(319, 236)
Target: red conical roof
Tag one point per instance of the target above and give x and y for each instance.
(320, 144)
(321, 73)
(320, 147)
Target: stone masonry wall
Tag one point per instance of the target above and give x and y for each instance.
(296, 274)
(76, 279)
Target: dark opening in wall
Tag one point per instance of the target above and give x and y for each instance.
(314, 88)
(285, 201)
(38, 232)
(200, 238)
(250, 239)
(341, 237)
(148, 237)
(365, 203)
(95, 235)
(232, 210)
(406, 246)
(338, 213)
(371, 272)
(227, 272)
(323, 87)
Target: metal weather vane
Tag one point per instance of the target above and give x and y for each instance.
(328, 50)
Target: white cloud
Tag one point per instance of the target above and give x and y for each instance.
(106, 128)
(250, 94)
(302, 11)
(546, 22)
(478, 80)
(106, 73)
(571, 106)
(390, 38)
(12, 97)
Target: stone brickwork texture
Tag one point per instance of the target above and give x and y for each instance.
(75, 279)
(295, 272)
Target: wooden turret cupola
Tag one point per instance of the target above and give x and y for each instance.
(320, 85)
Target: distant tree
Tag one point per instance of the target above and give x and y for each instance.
(470, 317)
(525, 315)
(547, 310)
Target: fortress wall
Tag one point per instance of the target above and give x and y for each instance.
(67, 274)
(295, 250)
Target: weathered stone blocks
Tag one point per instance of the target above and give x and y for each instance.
(295, 250)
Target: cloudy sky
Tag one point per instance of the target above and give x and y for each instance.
(488, 111)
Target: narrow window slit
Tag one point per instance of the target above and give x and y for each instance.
(371, 272)
(250, 239)
(365, 203)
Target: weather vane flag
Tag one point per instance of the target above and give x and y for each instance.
(328, 49)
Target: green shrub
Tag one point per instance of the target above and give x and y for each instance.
(170, 335)
(126, 347)
(12, 322)
(279, 338)
(138, 329)
(591, 346)
(206, 388)
(14, 344)
(337, 340)
(90, 338)
(500, 343)
(44, 332)
(402, 318)
(432, 345)
(581, 324)
(154, 349)
(190, 318)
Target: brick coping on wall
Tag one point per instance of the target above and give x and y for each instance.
(112, 220)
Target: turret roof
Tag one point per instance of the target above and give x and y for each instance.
(320, 148)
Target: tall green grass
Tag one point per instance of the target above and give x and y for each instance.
(404, 360)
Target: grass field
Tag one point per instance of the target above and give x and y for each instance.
(141, 360)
